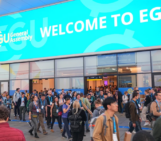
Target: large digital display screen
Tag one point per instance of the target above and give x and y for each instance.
(80, 26)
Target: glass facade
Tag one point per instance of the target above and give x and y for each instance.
(74, 84)
(42, 69)
(142, 69)
(69, 67)
(22, 84)
(135, 62)
(19, 71)
(144, 80)
(156, 60)
(4, 72)
(127, 81)
(100, 65)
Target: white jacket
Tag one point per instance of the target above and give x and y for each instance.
(124, 99)
(16, 96)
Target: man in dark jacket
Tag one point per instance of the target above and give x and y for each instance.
(134, 114)
(22, 102)
(120, 101)
(8, 133)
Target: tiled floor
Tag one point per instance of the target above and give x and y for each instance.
(56, 136)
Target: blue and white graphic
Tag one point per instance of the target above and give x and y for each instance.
(80, 26)
(73, 90)
(130, 90)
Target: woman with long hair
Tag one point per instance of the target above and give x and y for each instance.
(74, 96)
(34, 111)
(77, 136)
(145, 108)
(54, 113)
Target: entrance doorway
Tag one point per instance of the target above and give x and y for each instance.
(102, 82)
(4, 86)
(40, 84)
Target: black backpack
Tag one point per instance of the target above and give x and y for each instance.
(127, 110)
(75, 121)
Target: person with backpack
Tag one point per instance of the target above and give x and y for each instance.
(125, 99)
(54, 114)
(106, 126)
(134, 114)
(99, 108)
(145, 108)
(77, 118)
(34, 111)
(66, 108)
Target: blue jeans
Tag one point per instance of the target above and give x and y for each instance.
(123, 107)
(87, 125)
(137, 128)
(66, 128)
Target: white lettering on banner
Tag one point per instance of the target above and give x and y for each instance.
(60, 30)
(102, 22)
(94, 24)
(54, 30)
(46, 31)
(67, 28)
(89, 24)
(123, 18)
(143, 15)
(115, 18)
(157, 14)
(6, 41)
(76, 26)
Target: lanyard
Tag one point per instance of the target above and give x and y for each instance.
(114, 125)
(41, 102)
(158, 104)
(37, 107)
(50, 99)
(56, 106)
(80, 103)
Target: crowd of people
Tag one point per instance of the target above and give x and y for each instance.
(77, 111)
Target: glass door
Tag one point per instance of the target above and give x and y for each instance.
(4, 86)
(157, 80)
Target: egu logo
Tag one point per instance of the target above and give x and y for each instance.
(4, 38)
(21, 33)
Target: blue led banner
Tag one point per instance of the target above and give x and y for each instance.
(130, 90)
(80, 26)
(73, 90)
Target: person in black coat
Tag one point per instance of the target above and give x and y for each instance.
(22, 102)
(78, 136)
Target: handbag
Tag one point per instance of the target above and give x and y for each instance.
(59, 113)
(34, 116)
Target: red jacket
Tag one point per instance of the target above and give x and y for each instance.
(8, 133)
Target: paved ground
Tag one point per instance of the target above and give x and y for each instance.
(56, 136)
